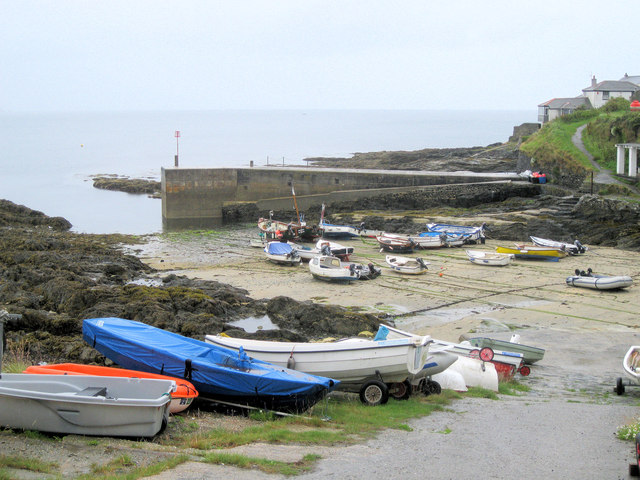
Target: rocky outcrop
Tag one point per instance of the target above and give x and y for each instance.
(492, 158)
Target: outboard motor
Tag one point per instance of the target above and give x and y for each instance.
(579, 246)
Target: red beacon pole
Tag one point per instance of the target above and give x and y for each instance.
(177, 135)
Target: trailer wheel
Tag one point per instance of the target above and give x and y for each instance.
(434, 387)
(619, 388)
(400, 390)
(374, 393)
(525, 371)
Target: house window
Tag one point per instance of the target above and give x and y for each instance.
(605, 95)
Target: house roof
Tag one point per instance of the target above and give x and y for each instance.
(631, 78)
(562, 103)
(612, 86)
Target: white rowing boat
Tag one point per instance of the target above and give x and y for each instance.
(369, 367)
(492, 259)
(406, 265)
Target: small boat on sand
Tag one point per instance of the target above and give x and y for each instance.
(533, 252)
(335, 249)
(332, 269)
(575, 248)
(406, 265)
(472, 233)
(181, 398)
(282, 253)
(492, 259)
(395, 243)
(589, 279)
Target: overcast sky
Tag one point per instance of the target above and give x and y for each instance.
(70, 55)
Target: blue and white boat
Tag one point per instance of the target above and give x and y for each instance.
(474, 233)
(282, 253)
(329, 230)
(218, 373)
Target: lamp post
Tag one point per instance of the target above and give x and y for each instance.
(177, 135)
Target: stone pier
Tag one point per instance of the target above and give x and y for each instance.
(193, 197)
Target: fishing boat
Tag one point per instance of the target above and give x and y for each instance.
(181, 398)
(406, 265)
(589, 279)
(332, 269)
(575, 248)
(282, 253)
(335, 249)
(329, 230)
(529, 353)
(473, 233)
(219, 374)
(273, 229)
(491, 259)
(305, 252)
(533, 252)
(395, 243)
(506, 363)
(631, 368)
(371, 368)
(426, 240)
(85, 405)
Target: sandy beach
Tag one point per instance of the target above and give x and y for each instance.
(562, 428)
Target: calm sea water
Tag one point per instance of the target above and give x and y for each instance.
(48, 159)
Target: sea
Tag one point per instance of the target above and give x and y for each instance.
(48, 160)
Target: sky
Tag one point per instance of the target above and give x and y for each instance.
(121, 55)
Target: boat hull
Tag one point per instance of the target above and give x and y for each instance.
(490, 259)
(600, 282)
(353, 361)
(529, 354)
(84, 405)
(218, 373)
(406, 265)
(550, 255)
(181, 398)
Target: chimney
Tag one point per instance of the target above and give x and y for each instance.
(593, 81)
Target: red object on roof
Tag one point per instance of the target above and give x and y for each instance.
(635, 105)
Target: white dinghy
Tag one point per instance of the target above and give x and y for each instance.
(406, 265)
(85, 405)
(491, 259)
(372, 368)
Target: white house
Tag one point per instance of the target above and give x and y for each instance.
(556, 107)
(600, 93)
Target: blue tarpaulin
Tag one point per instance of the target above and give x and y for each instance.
(216, 372)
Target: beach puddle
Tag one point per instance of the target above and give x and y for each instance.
(253, 324)
(434, 318)
(146, 282)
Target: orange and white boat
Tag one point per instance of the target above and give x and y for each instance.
(180, 399)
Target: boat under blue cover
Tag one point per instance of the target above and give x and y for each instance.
(218, 373)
